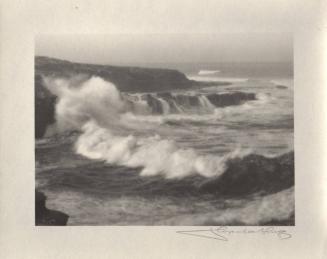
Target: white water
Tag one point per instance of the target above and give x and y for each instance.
(208, 72)
(207, 78)
(182, 140)
(97, 109)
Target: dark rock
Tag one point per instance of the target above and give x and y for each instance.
(125, 78)
(236, 98)
(254, 173)
(46, 217)
(165, 95)
(154, 104)
(44, 108)
(187, 100)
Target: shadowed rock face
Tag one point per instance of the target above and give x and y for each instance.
(44, 107)
(125, 78)
(221, 100)
(254, 173)
(46, 217)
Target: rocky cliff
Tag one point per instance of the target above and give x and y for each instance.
(127, 79)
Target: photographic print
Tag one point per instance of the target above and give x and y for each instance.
(164, 129)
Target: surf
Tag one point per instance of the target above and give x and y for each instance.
(98, 110)
(208, 72)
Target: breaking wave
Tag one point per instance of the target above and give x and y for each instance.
(183, 103)
(208, 72)
(194, 181)
(273, 209)
(209, 78)
(97, 109)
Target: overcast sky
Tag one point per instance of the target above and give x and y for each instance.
(190, 31)
(148, 48)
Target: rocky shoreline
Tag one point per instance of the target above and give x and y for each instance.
(254, 173)
(46, 217)
(127, 79)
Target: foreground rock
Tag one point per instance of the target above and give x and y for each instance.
(46, 217)
(254, 173)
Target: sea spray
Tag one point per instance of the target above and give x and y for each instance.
(94, 99)
(153, 154)
(97, 109)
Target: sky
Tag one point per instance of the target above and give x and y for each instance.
(177, 31)
(170, 48)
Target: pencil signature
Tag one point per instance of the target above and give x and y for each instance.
(223, 233)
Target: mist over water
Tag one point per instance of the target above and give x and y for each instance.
(155, 150)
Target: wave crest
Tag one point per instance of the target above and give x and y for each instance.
(98, 110)
(156, 156)
(208, 72)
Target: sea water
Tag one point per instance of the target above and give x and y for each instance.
(116, 158)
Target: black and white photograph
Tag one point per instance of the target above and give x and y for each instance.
(164, 129)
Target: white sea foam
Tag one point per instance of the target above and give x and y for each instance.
(217, 79)
(208, 72)
(154, 154)
(97, 109)
(94, 99)
(274, 207)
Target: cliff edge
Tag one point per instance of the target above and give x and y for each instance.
(127, 79)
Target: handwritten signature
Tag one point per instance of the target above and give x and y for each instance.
(222, 233)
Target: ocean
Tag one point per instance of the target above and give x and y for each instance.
(210, 155)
